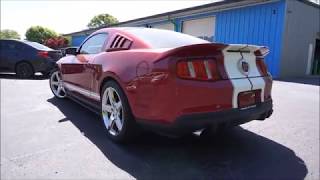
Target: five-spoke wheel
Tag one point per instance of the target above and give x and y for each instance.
(112, 112)
(116, 113)
(56, 85)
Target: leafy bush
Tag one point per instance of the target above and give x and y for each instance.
(57, 42)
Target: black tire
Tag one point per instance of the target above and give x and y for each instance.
(129, 129)
(24, 70)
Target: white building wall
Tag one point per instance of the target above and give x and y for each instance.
(300, 34)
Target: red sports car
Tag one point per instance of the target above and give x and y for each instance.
(167, 81)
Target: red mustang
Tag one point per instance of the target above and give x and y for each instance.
(169, 81)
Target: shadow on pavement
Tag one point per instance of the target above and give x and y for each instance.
(13, 76)
(236, 154)
(312, 80)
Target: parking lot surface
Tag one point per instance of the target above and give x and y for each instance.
(46, 138)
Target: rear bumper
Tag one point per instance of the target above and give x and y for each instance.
(192, 122)
(45, 65)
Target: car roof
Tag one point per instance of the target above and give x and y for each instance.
(17, 40)
(124, 29)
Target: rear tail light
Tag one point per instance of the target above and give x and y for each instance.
(262, 66)
(182, 69)
(43, 54)
(198, 70)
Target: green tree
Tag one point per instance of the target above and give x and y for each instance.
(9, 34)
(102, 20)
(40, 34)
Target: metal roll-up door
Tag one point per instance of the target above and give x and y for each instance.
(166, 26)
(203, 28)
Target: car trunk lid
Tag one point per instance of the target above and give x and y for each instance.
(240, 61)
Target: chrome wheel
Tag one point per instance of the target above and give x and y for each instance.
(112, 111)
(56, 85)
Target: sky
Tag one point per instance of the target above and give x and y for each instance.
(70, 16)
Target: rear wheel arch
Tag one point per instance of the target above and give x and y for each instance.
(112, 77)
(105, 80)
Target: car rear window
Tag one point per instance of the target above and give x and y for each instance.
(38, 46)
(157, 38)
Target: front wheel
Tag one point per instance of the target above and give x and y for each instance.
(116, 114)
(56, 85)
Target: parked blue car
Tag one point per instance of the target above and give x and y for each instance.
(26, 58)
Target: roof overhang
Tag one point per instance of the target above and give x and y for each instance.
(206, 8)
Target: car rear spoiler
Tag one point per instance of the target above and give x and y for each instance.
(246, 48)
(203, 49)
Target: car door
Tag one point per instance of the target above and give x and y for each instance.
(9, 55)
(3, 57)
(78, 74)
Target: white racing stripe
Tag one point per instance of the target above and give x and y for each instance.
(258, 83)
(231, 64)
(240, 81)
(82, 91)
(254, 73)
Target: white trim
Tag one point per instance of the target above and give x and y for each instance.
(96, 96)
(206, 65)
(82, 91)
(258, 83)
(239, 85)
(309, 62)
(191, 69)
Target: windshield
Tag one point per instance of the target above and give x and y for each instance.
(38, 46)
(157, 38)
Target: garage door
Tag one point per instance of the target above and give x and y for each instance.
(202, 28)
(167, 26)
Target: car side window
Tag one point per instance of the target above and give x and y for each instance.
(11, 46)
(94, 44)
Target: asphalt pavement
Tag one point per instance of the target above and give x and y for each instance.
(46, 138)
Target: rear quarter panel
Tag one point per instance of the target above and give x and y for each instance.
(129, 69)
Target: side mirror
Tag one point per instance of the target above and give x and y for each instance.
(70, 51)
